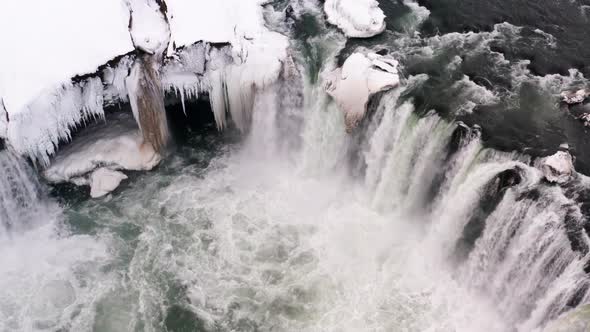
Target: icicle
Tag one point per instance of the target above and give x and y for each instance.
(37, 130)
(3, 120)
(182, 101)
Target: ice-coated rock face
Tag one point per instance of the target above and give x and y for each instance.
(148, 26)
(558, 168)
(361, 76)
(356, 18)
(104, 180)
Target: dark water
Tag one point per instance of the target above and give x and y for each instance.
(566, 20)
(492, 43)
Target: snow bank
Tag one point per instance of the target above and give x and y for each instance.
(254, 60)
(116, 145)
(361, 76)
(48, 43)
(104, 180)
(45, 43)
(356, 18)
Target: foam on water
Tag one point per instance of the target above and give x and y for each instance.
(47, 276)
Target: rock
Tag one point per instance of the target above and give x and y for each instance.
(148, 26)
(360, 77)
(577, 97)
(289, 12)
(104, 180)
(558, 168)
(508, 178)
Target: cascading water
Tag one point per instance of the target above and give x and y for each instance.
(48, 275)
(408, 224)
(19, 194)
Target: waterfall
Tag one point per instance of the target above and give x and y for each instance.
(409, 223)
(511, 237)
(20, 194)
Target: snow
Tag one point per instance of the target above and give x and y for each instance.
(149, 27)
(116, 145)
(215, 21)
(361, 76)
(356, 18)
(104, 180)
(558, 168)
(257, 53)
(45, 43)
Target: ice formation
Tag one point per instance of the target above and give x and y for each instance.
(356, 18)
(148, 26)
(115, 145)
(44, 104)
(558, 168)
(104, 180)
(361, 76)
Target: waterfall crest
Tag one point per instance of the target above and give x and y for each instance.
(20, 194)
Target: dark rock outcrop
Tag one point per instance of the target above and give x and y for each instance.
(492, 195)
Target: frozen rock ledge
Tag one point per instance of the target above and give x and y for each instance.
(361, 76)
(558, 168)
(100, 152)
(356, 18)
(104, 180)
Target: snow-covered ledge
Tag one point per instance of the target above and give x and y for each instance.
(100, 152)
(356, 18)
(361, 76)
